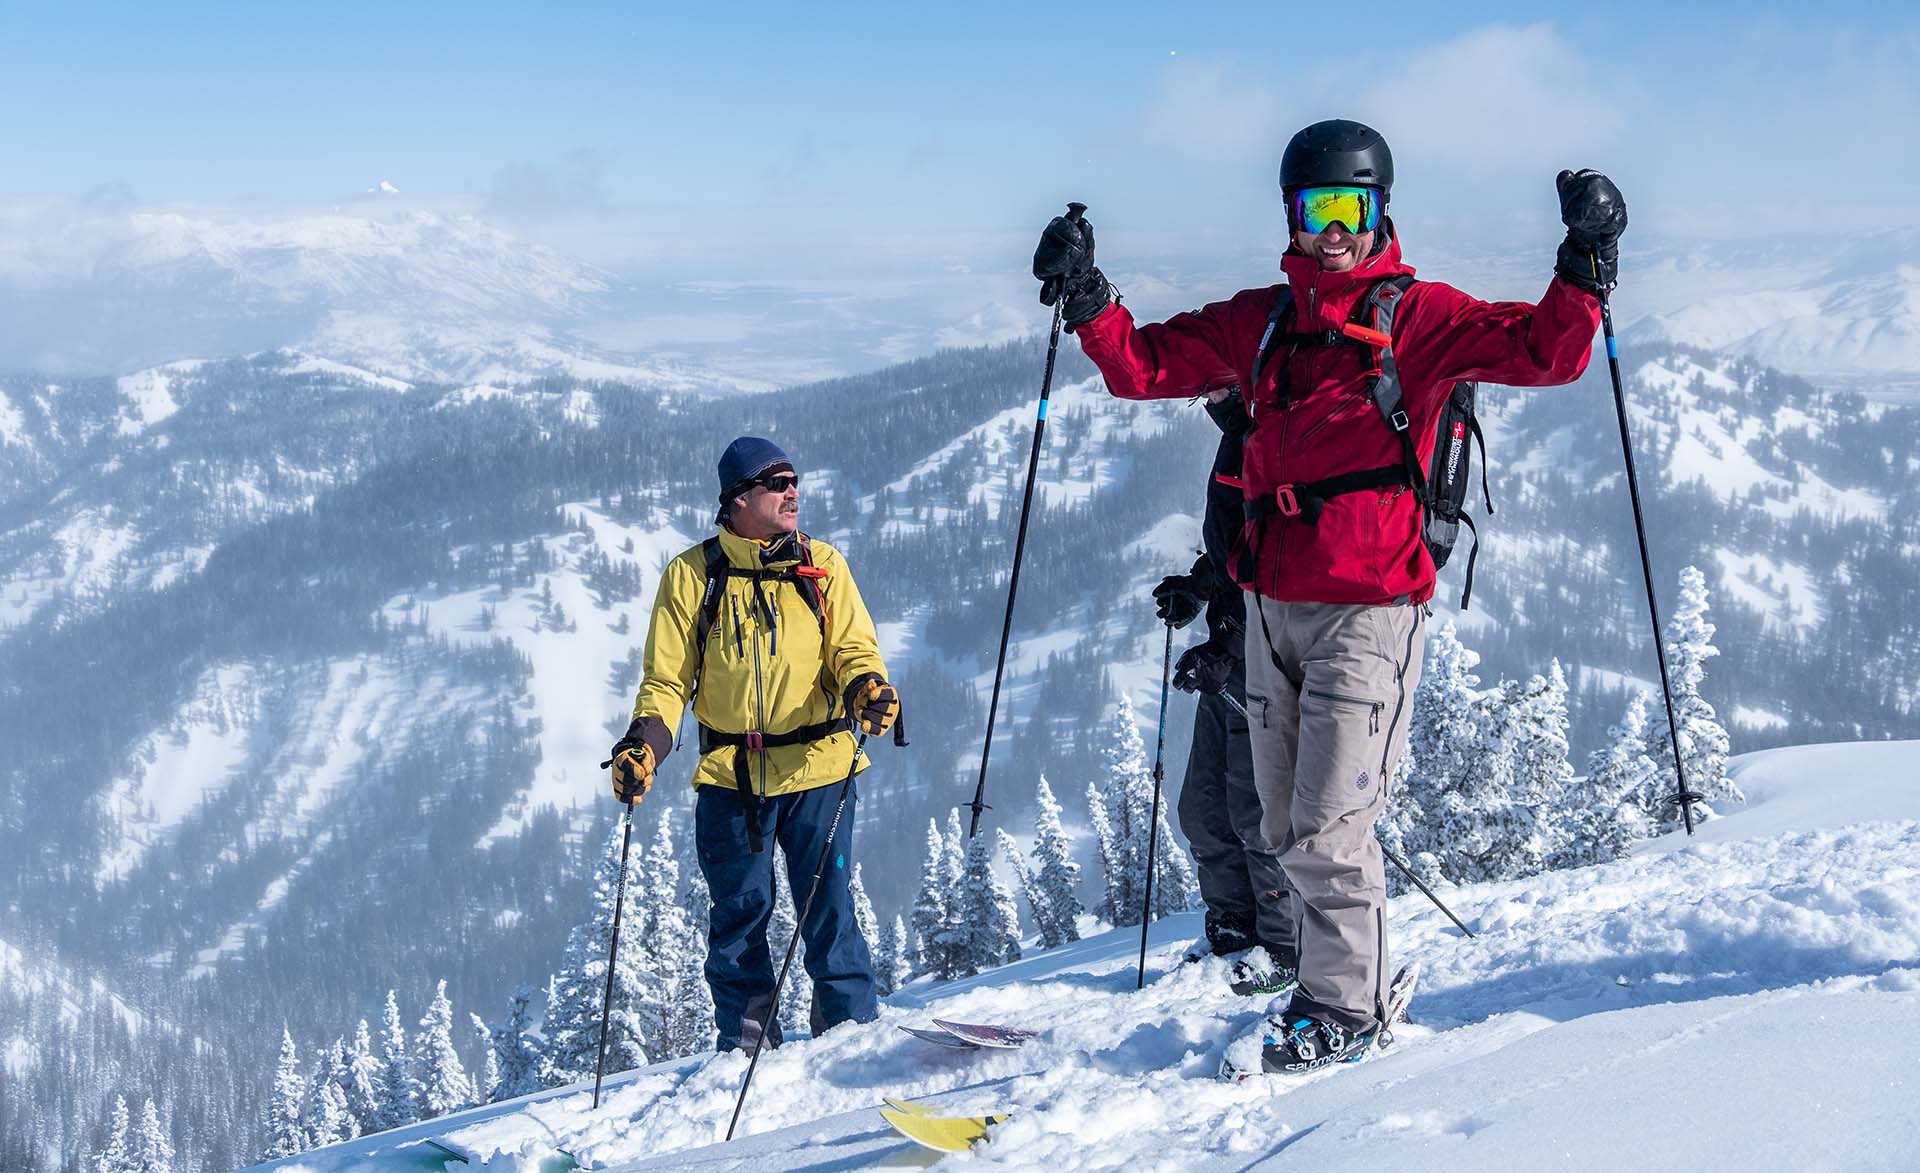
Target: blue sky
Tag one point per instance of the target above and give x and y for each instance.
(931, 134)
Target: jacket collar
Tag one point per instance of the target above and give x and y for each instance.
(749, 554)
(1324, 301)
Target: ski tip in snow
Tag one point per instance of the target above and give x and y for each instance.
(439, 1154)
(946, 1134)
(939, 1038)
(981, 1035)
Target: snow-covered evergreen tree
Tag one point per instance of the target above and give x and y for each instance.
(120, 1153)
(516, 1055)
(444, 1086)
(691, 1027)
(863, 914)
(574, 996)
(932, 949)
(796, 1001)
(892, 964)
(282, 1128)
(1107, 846)
(1053, 877)
(1537, 727)
(1422, 821)
(1605, 805)
(326, 1114)
(1015, 861)
(1122, 814)
(989, 912)
(1176, 887)
(486, 1085)
(661, 921)
(363, 1081)
(153, 1150)
(1703, 740)
(399, 1088)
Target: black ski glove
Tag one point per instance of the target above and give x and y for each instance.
(1063, 262)
(1204, 668)
(1179, 599)
(1595, 214)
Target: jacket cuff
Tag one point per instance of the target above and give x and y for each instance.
(651, 732)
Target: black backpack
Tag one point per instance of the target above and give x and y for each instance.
(1440, 488)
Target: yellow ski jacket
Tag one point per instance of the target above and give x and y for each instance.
(759, 672)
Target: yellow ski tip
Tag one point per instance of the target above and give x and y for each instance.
(908, 1106)
(946, 1134)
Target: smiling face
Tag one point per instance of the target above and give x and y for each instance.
(763, 514)
(1336, 249)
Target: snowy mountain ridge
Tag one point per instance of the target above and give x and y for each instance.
(1564, 1033)
(1851, 318)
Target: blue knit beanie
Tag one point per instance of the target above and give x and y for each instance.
(747, 458)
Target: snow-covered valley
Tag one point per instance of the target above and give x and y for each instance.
(1747, 999)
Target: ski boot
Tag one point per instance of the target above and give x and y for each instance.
(1269, 969)
(1296, 1044)
(1224, 935)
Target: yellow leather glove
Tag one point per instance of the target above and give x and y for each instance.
(872, 704)
(633, 773)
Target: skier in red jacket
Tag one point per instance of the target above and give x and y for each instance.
(1332, 549)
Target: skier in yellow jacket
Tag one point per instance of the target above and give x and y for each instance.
(765, 632)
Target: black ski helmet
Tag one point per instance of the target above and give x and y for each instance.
(1335, 152)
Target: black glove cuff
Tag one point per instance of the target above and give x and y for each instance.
(1593, 267)
(1087, 296)
(855, 687)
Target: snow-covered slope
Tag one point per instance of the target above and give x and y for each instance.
(1747, 1000)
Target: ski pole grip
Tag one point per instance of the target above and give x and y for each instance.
(1076, 210)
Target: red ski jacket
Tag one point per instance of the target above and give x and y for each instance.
(1366, 546)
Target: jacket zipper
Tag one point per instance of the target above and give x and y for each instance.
(1374, 708)
(759, 704)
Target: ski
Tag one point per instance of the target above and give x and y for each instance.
(940, 1038)
(1003, 1037)
(1399, 993)
(946, 1134)
(437, 1154)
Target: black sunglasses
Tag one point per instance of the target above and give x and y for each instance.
(779, 483)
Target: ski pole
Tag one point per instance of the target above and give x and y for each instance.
(1684, 797)
(1153, 820)
(819, 869)
(1406, 871)
(979, 803)
(613, 951)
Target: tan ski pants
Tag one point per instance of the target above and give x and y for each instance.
(1329, 700)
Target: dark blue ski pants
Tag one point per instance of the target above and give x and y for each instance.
(740, 967)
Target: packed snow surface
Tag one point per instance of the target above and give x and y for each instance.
(1747, 999)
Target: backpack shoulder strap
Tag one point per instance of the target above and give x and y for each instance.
(1382, 302)
(1282, 308)
(716, 588)
(808, 580)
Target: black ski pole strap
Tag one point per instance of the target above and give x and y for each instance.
(1473, 556)
(1479, 437)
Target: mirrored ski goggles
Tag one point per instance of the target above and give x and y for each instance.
(1357, 209)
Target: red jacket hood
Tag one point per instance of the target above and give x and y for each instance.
(1322, 300)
